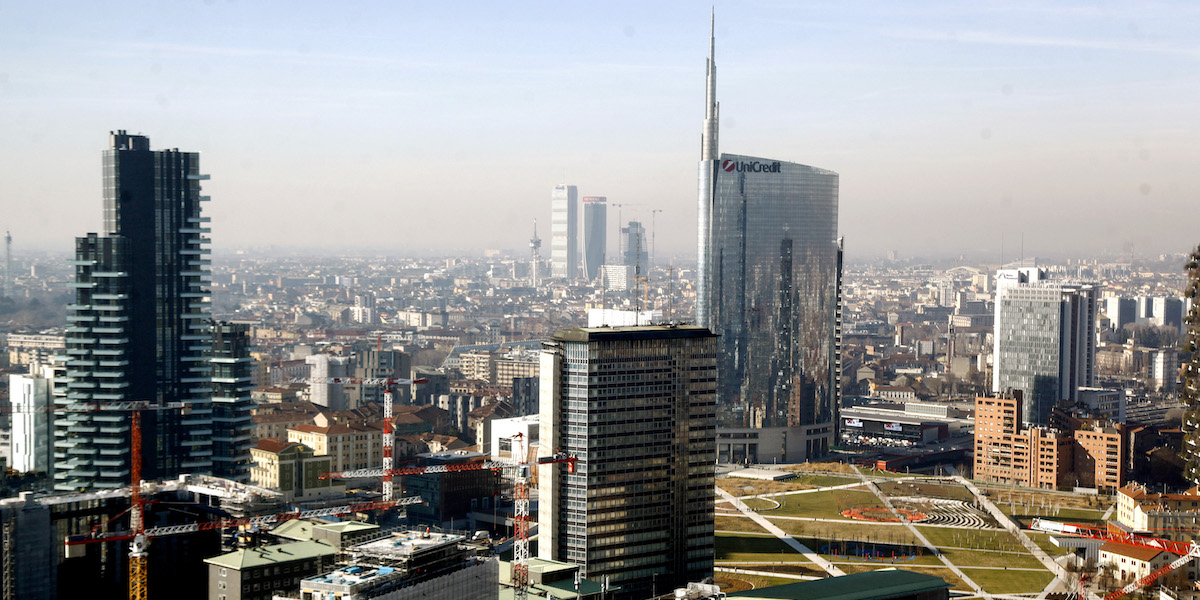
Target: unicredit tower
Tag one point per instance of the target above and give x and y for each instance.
(769, 280)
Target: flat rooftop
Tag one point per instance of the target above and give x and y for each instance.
(406, 544)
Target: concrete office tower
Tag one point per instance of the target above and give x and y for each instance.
(363, 310)
(322, 393)
(768, 272)
(635, 250)
(139, 325)
(1045, 343)
(32, 397)
(595, 235)
(564, 236)
(1120, 312)
(232, 381)
(637, 407)
(375, 363)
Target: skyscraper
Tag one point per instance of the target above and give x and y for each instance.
(232, 381)
(1045, 340)
(595, 235)
(635, 251)
(564, 237)
(769, 270)
(139, 326)
(637, 407)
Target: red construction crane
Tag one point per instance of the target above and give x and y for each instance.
(139, 537)
(389, 435)
(1186, 550)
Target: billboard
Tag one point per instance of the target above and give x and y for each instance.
(893, 427)
(854, 423)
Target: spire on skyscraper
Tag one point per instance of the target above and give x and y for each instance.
(708, 141)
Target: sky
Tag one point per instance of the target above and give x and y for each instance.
(982, 129)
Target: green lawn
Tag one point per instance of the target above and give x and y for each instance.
(759, 504)
(985, 558)
(825, 480)
(991, 539)
(932, 490)
(848, 530)
(824, 505)
(736, 582)
(754, 548)
(1009, 582)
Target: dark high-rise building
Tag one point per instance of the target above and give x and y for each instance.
(595, 235)
(139, 327)
(635, 250)
(768, 277)
(637, 407)
(232, 381)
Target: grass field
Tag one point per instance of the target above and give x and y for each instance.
(824, 467)
(850, 530)
(984, 558)
(971, 538)
(823, 505)
(731, 523)
(737, 582)
(1009, 582)
(754, 548)
(920, 488)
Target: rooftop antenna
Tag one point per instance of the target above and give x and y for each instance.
(535, 246)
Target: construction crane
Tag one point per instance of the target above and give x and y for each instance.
(1187, 551)
(520, 572)
(389, 434)
(138, 535)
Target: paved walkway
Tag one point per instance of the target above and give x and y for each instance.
(921, 537)
(779, 533)
(1059, 583)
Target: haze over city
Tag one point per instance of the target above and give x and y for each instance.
(427, 128)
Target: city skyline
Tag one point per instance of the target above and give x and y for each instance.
(935, 115)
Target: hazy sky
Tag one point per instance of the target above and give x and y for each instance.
(422, 127)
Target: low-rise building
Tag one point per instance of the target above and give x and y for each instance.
(1135, 562)
(293, 469)
(1170, 516)
(350, 446)
(260, 573)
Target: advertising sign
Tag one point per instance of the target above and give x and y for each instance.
(854, 423)
(893, 427)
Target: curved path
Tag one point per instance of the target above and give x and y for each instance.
(921, 537)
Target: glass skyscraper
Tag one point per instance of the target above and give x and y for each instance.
(595, 235)
(769, 272)
(1045, 340)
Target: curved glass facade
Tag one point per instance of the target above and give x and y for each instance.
(769, 270)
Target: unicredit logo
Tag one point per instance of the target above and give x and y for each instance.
(730, 166)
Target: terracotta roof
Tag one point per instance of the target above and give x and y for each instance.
(1135, 552)
(273, 445)
(282, 417)
(338, 429)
